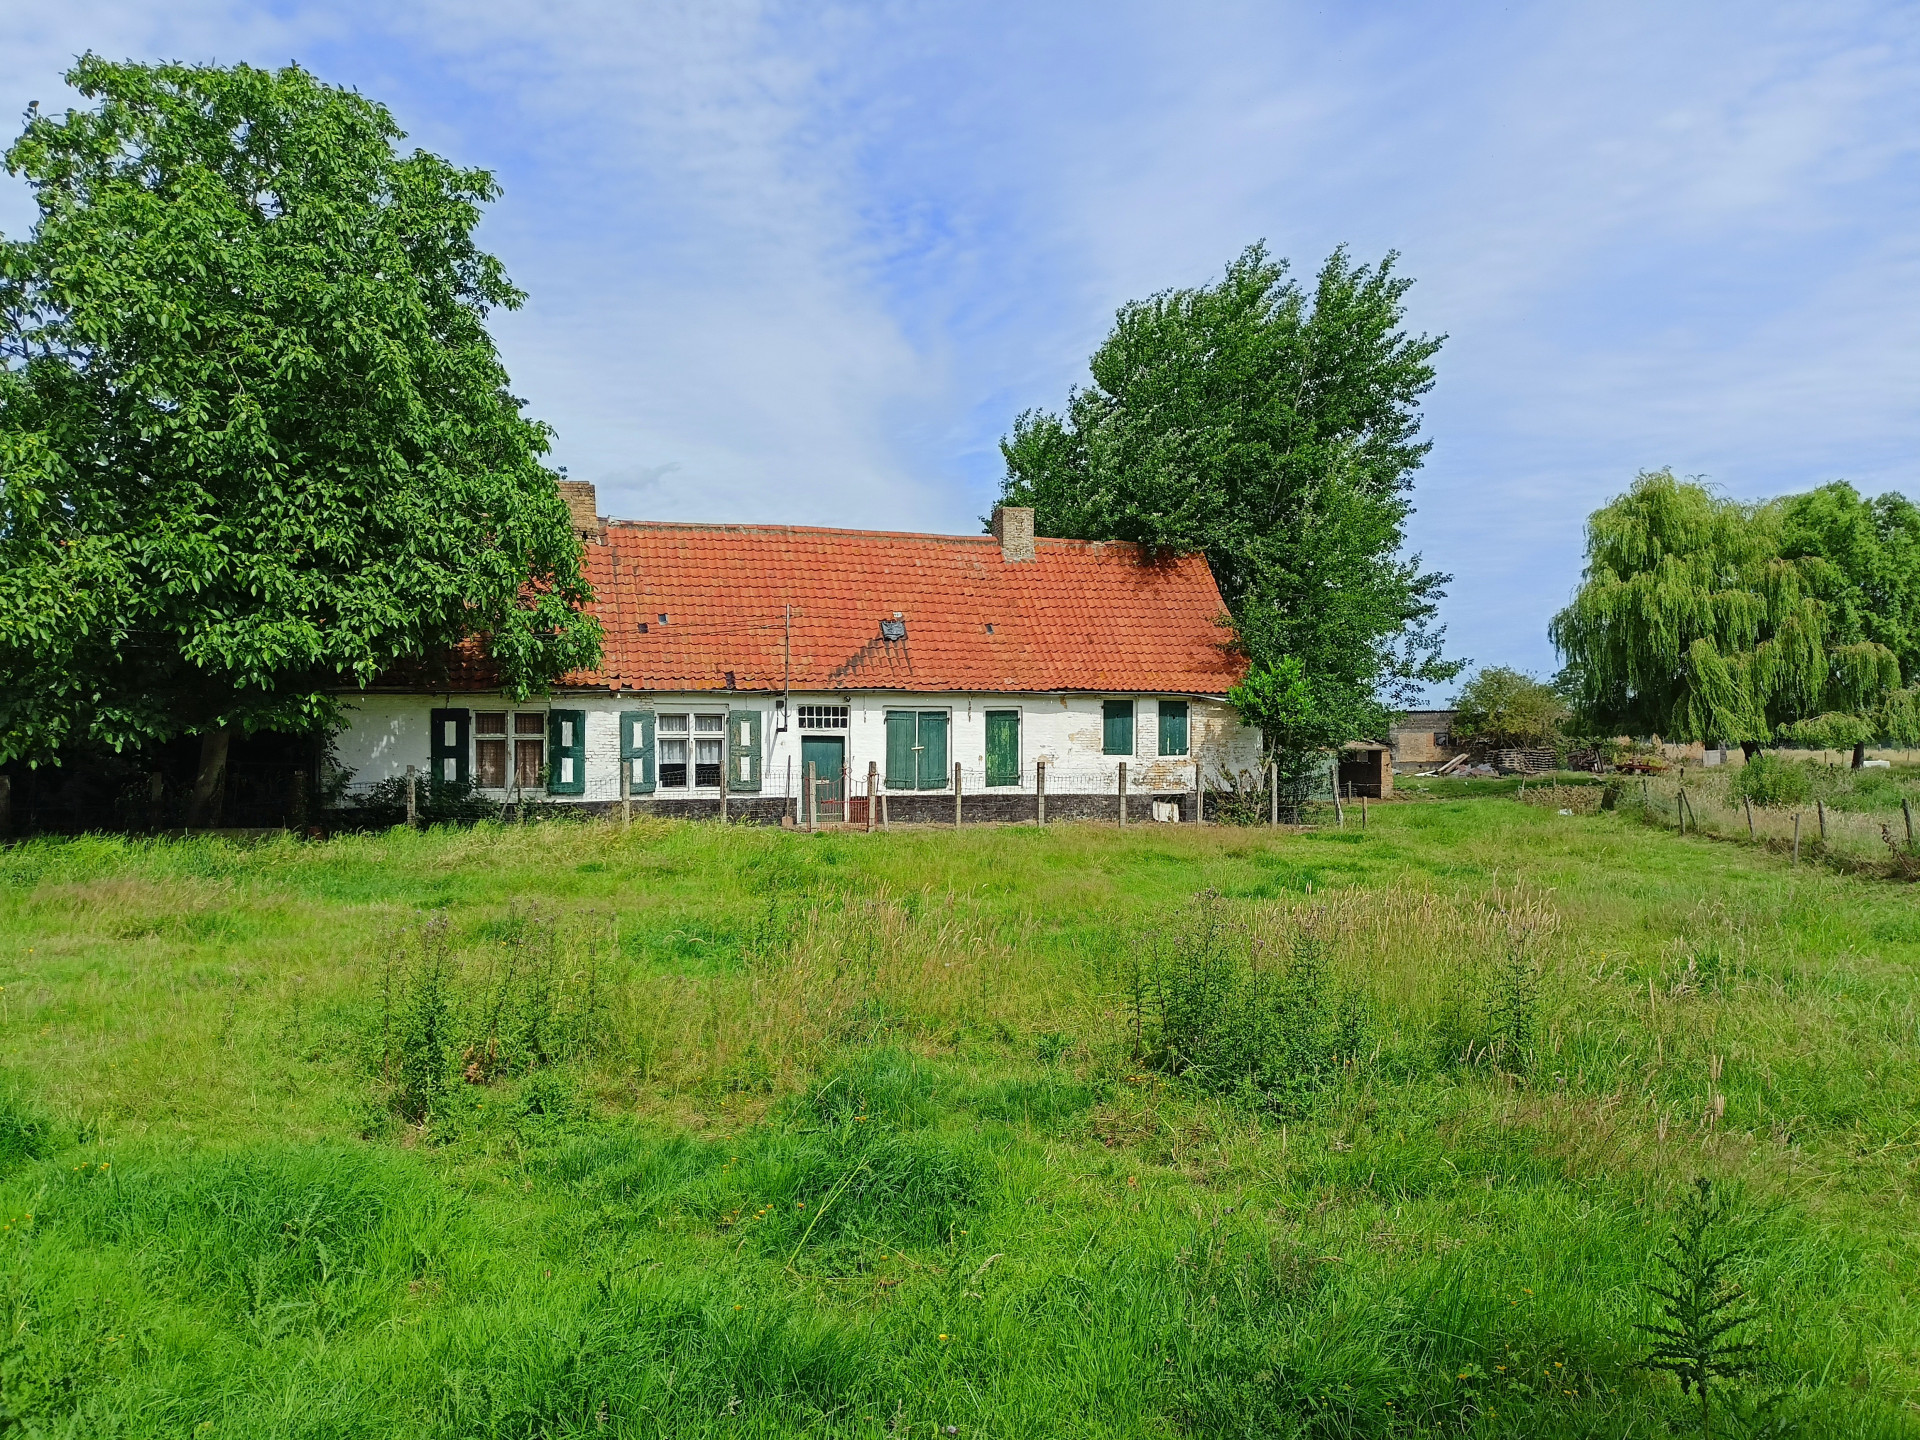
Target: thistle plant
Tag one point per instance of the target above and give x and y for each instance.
(1701, 1306)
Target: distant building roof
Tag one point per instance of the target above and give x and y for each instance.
(1078, 616)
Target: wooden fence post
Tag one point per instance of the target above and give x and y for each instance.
(1820, 808)
(1339, 810)
(813, 795)
(413, 797)
(1040, 792)
(1796, 837)
(1907, 810)
(1363, 812)
(626, 791)
(1748, 799)
(1121, 790)
(886, 821)
(1273, 792)
(873, 791)
(956, 794)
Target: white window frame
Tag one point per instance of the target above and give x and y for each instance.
(513, 737)
(810, 710)
(692, 736)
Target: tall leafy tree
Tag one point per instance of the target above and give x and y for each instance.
(1700, 618)
(1275, 430)
(1875, 547)
(1500, 708)
(256, 444)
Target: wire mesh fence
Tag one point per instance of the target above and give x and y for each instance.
(1176, 791)
(1814, 830)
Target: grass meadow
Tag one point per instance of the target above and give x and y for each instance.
(576, 1130)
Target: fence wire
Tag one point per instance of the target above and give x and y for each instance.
(1814, 830)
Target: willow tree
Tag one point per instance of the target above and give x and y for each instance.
(256, 444)
(1701, 618)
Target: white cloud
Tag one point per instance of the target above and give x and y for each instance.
(805, 262)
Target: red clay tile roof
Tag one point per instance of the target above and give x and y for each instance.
(1080, 616)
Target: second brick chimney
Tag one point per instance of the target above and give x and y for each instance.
(1013, 528)
(581, 504)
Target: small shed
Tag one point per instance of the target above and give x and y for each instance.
(1366, 768)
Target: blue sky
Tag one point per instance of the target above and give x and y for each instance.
(805, 263)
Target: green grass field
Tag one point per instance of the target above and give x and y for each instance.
(681, 1130)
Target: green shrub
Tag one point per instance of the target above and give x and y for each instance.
(417, 1021)
(383, 804)
(1221, 1009)
(1768, 780)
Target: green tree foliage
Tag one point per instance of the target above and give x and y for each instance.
(1276, 432)
(1700, 618)
(1500, 708)
(256, 444)
(1875, 546)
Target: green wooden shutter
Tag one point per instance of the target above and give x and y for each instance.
(1116, 727)
(447, 747)
(1173, 727)
(933, 750)
(1003, 747)
(566, 752)
(903, 772)
(636, 748)
(744, 764)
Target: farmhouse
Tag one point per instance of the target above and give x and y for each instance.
(741, 659)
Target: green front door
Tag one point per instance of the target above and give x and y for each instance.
(1003, 747)
(826, 756)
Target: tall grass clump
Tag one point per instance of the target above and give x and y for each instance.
(1513, 1000)
(25, 1133)
(1235, 1010)
(533, 999)
(417, 1020)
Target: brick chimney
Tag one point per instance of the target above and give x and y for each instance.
(1013, 528)
(581, 505)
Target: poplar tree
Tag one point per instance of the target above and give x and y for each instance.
(1273, 428)
(1702, 618)
(256, 444)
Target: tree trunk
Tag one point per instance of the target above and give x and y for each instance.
(210, 785)
(1859, 753)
